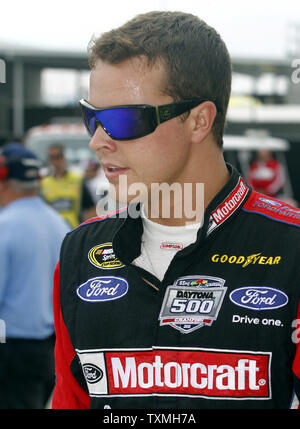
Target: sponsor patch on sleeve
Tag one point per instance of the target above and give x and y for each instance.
(273, 209)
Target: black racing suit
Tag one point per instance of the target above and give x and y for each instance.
(219, 331)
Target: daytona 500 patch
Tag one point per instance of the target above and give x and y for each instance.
(192, 302)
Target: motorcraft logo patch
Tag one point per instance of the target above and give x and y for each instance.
(259, 297)
(103, 256)
(229, 206)
(184, 372)
(192, 302)
(100, 289)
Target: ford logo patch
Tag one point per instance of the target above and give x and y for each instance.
(101, 289)
(92, 373)
(259, 297)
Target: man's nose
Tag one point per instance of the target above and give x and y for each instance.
(102, 141)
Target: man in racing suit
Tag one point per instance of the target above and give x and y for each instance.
(158, 312)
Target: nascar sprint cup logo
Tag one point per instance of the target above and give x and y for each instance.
(192, 302)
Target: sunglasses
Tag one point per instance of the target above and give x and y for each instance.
(132, 121)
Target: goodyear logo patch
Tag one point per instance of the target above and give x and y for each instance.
(244, 261)
(103, 256)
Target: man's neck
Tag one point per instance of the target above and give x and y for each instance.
(186, 204)
(14, 196)
(58, 174)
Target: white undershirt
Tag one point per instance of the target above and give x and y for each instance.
(160, 243)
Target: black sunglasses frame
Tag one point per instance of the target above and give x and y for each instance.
(154, 115)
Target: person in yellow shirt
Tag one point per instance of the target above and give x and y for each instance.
(65, 190)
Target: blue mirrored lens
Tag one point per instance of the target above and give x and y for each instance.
(120, 123)
(90, 120)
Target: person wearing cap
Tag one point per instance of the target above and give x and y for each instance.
(31, 234)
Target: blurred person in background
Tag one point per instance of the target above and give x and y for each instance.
(98, 185)
(14, 141)
(31, 234)
(65, 190)
(266, 174)
(95, 180)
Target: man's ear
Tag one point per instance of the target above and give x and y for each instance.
(201, 120)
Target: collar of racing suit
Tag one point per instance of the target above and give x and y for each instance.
(224, 207)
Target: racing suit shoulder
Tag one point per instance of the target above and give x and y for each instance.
(97, 231)
(273, 209)
(113, 215)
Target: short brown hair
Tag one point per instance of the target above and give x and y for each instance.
(194, 55)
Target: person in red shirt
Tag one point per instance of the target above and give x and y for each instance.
(266, 174)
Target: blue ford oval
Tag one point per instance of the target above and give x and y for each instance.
(259, 297)
(101, 289)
